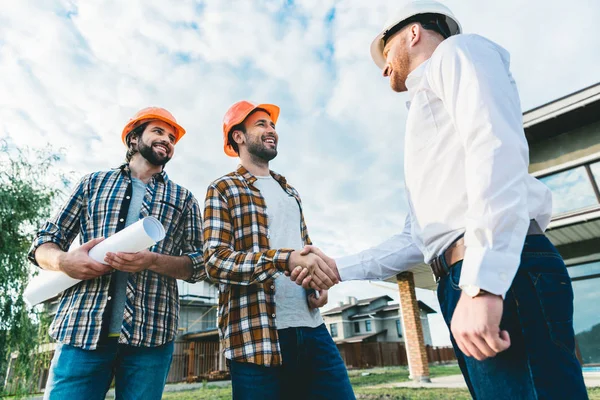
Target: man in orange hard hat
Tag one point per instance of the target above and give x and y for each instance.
(121, 320)
(275, 340)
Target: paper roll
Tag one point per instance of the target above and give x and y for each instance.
(136, 237)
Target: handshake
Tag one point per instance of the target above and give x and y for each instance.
(311, 268)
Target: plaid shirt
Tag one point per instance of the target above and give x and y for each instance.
(237, 255)
(98, 207)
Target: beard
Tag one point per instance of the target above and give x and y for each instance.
(151, 156)
(400, 69)
(259, 150)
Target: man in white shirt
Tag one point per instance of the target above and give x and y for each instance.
(475, 214)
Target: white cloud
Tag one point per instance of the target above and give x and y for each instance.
(72, 73)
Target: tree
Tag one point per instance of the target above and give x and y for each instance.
(28, 188)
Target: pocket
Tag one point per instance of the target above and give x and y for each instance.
(555, 296)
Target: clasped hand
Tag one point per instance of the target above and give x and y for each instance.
(311, 268)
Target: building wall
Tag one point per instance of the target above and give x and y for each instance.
(569, 146)
(336, 319)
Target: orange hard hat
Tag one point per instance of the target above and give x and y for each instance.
(237, 113)
(150, 113)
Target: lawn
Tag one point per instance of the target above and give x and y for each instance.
(363, 387)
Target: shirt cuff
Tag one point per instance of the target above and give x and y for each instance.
(40, 240)
(280, 259)
(198, 270)
(489, 270)
(350, 268)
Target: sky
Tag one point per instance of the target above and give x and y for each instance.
(73, 72)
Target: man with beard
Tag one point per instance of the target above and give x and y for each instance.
(275, 340)
(475, 214)
(121, 320)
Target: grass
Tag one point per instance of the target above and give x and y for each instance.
(363, 387)
(378, 376)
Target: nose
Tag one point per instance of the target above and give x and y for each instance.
(386, 71)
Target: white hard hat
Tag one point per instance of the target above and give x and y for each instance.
(411, 9)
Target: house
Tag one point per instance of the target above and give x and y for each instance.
(564, 153)
(371, 320)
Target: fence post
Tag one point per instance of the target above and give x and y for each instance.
(191, 363)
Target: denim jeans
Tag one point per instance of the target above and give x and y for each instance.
(312, 369)
(139, 372)
(538, 314)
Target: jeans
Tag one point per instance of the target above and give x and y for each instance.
(538, 314)
(312, 369)
(139, 372)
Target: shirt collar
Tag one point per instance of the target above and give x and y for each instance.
(160, 176)
(244, 173)
(414, 78)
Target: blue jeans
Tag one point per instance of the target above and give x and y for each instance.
(312, 369)
(139, 372)
(538, 314)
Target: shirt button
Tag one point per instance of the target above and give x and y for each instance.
(121, 220)
(127, 197)
(109, 298)
(273, 315)
(272, 286)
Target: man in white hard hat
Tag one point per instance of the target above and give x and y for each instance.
(475, 214)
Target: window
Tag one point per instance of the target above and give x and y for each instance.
(368, 325)
(586, 320)
(333, 330)
(574, 189)
(356, 327)
(399, 328)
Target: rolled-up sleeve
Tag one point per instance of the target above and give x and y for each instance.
(63, 228)
(223, 263)
(192, 240)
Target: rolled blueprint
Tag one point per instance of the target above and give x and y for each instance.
(136, 237)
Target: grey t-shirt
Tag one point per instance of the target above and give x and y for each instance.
(119, 277)
(283, 215)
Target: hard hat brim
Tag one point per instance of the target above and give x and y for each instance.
(179, 130)
(377, 43)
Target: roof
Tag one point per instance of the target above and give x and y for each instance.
(364, 302)
(360, 338)
(562, 115)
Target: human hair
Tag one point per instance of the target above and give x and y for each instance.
(240, 127)
(137, 133)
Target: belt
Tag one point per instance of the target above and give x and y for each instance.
(456, 252)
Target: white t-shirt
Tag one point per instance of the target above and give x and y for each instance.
(283, 214)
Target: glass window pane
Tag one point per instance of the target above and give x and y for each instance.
(571, 190)
(596, 171)
(586, 319)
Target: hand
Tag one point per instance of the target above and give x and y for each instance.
(302, 277)
(313, 302)
(131, 262)
(79, 265)
(476, 326)
(321, 276)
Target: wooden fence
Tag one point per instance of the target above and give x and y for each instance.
(387, 354)
(192, 359)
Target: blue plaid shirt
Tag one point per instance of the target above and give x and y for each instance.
(98, 208)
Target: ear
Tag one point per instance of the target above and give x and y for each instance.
(133, 139)
(238, 136)
(414, 33)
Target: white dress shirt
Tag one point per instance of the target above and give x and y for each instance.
(466, 170)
